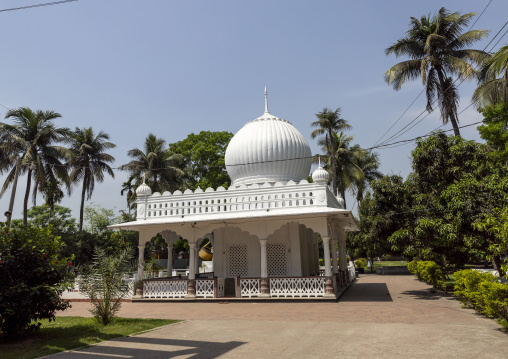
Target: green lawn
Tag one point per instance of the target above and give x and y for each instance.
(378, 264)
(74, 332)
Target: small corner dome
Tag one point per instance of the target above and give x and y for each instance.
(320, 175)
(143, 190)
(267, 149)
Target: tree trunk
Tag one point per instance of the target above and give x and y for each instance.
(497, 265)
(343, 194)
(82, 207)
(331, 149)
(13, 191)
(452, 118)
(27, 195)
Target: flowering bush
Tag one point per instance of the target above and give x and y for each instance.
(33, 275)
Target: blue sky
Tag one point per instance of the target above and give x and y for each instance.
(131, 67)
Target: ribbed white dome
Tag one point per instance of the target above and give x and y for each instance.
(267, 149)
(320, 175)
(143, 190)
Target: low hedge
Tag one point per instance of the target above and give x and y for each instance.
(484, 293)
(427, 271)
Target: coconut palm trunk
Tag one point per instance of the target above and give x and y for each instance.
(27, 196)
(13, 192)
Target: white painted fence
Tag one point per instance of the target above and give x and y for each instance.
(171, 288)
(250, 287)
(220, 287)
(297, 287)
(204, 288)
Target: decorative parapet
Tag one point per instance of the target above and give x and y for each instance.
(236, 199)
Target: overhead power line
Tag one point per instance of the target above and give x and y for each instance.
(38, 5)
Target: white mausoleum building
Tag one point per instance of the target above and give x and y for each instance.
(264, 228)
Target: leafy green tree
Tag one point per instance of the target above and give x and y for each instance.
(436, 48)
(103, 281)
(33, 275)
(495, 130)
(203, 159)
(493, 87)
(328, 124)
(156, 164)
(88, 161)
(129, 189)
(32, 138)
(59, 218)
(98, 218)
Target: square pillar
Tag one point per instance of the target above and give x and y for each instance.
(265, 289)
(329, 292)
(191, 286)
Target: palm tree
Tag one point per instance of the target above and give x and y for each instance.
(493, 89)
(369, 165)
(30, 139)
(88, 162)
(156, 163)
(328, 123)
(436, 48)
(346, 158)
(128, 187)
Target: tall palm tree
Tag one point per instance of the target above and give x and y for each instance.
(129, 187)
(492, 89)
(31, 138)
(436, 48)
(328, 123)
(156, 163)
(347, 158)
(88, 161)
(369, 165)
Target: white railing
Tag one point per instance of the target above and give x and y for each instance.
(250, 287)
(351, 273)
(156, 274)
(266, 196)
(220, 287)
(171, 288)
(204, 288)
(297, 287)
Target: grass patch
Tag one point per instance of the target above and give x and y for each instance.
(73, 332)
(378, 264)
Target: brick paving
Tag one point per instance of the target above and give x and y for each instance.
(382, 316)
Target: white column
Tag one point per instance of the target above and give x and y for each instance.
(342, 248)
(328, 267)
(141, 263)
(192, 261)
(196, 255)
(170, 261)
(264, 264)
(335, 268)
(264, 289)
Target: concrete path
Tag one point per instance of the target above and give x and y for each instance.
(379, 317)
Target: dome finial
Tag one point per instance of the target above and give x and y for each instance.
(266, 101)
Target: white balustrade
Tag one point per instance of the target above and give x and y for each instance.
(171, 288)
(241, 199)
(220, 287)
(297, 287)
(250, 287)
(204, 288)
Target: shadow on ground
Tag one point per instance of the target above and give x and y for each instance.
(132, 347)
(367, 292)
(426, 294)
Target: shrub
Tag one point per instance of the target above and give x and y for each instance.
(321, 262)
(482, 292)
(361, 263)
(427, 271)
(33, 276)
(103, 282)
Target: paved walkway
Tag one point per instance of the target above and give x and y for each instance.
(379, 317)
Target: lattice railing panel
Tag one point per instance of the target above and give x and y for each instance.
(250, 287)
(204, 288)
(220, 287)
(165, 288)
(277, 259)
(297, 287)
(237, 260)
